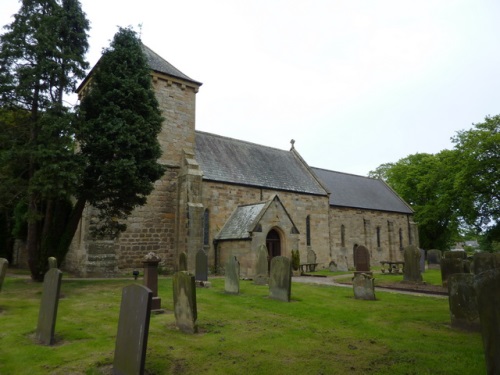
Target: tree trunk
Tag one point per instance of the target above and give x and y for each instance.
(70, 229)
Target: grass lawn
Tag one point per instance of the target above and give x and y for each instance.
(324, 330)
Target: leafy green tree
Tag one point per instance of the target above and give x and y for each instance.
(41, 59)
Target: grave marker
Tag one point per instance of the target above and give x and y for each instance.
(150, 262)
(485, 261)
(450, 264)
(183, 262)
(261, 267)
(462, 300)
(133, 328)
(411, 272)
(4, 264)
(52, 262)
(48, 307)
(280, 280)
(232, 279)
(363, 286)
(201, 267)
(422, 260)
(434, 258)
(185, 309)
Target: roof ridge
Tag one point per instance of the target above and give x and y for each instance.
(346, 173)
(240, 141)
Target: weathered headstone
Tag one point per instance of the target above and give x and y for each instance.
(487, 285)
(462, 300)
(4, 264)
(201, 266)
(451, 265)
(411, 272)
(422, 260)
(261, 267)
(185, 310)
(363, 286)
(280, 279)
(52, 262)
(434, 258)
(332, 267)
(311, 256)
(232, 279)
(48, 307)
(183, 262)
(361, 259)
(455, 255)
(150, 262)
(133, 329)
(485, 261)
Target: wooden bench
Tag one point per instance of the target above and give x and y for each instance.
(392, 267)
(308, 267)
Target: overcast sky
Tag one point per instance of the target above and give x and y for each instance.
(356, 83)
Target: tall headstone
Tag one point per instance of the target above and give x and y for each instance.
(411, 272)
(48, 307)
(4, 264)
(261, 267)
(232, 280)
(183, 262)
(452, 262)
(185, 310)
(52, 262)
(485, 261)
(280, 279)
(361, 258)
(201, 267)
(133, 329)
(422, 260)
(150, 262)
(487, 285)
(363, 286)
(462, 300)
(434, 258)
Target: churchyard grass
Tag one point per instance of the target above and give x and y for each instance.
(323, 330)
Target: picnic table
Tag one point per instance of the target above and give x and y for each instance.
(308, 267)
(392, 267)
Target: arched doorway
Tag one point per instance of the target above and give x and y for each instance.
(273, 244)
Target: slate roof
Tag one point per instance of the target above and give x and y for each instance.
(233, 161)
(348, 190)
(241, 222)
(159, 64)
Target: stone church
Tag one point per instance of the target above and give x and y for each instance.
(228, 196)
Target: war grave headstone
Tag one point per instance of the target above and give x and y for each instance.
(185, 310)
(4, 264)
(487, 285)
(485, 261)
(422, 260)
(361, 257)
(280, 279)
(201, 268)
(183, 262)
(411, 272)
(232, 277)
(363, 285)
(48, 307)
(150, 262)
(133, 329)
(462, 300)
(261, 267)
(453, 262)
(52, 262)
(434, 259)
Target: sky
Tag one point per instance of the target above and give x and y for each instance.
(356, 83)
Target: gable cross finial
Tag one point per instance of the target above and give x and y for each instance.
(292, 142)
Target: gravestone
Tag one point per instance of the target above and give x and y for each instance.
(48, 307)
(455, 255)
(422, 260)
(185, 310)
(52, 262)
(332, 267)
(4, 264)
(133, 329)
(311, 256)
(361, 257)
(280, 279)
(485, 261)
(261, 267)
(183, 262)
(201, 267)
(487, 285)
(451, 265)
(411, 271)
(363, 286)
(150, 262)
(232, 279)
(434, 258)
(462, 300)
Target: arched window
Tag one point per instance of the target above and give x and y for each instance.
(378, 237)
(342, 235)
(206, 232)
(400, 239)
(308, 230)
